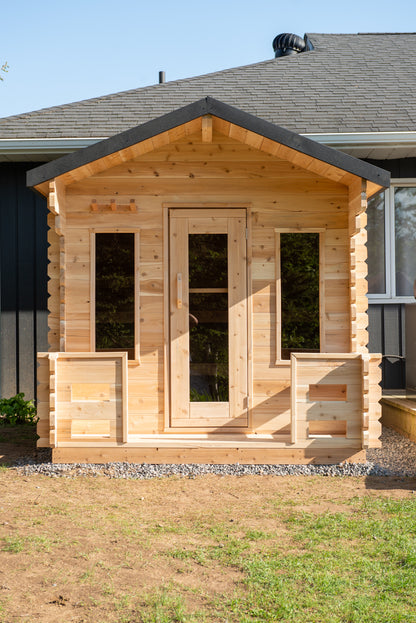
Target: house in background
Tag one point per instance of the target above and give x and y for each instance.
(351, 92)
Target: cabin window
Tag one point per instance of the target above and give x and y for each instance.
(391, 232)
(114, 299)
(299, 296)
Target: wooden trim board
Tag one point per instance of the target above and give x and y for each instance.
(160, 455)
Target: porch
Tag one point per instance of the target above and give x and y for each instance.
(84, 415)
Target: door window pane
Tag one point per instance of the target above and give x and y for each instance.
(299, 273)
(376, 244)
(208, 318)
(405, 239)
(208, 345)
(114, 292)
(208, 261)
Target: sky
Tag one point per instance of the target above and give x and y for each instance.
(61, 51)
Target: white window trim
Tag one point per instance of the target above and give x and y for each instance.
(389, 241)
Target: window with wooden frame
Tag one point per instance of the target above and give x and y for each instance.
(114, 301)
(299, 256)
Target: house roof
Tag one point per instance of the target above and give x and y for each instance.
(348, 83)
(186, 114)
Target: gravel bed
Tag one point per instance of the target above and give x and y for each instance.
(397, 457)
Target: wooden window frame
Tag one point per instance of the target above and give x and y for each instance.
(117, 230)
(299, 230)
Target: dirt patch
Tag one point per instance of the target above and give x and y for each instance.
(17, 442)
(86, 548)
(89, 549)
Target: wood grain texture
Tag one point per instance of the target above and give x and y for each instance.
(192, 167)
(326, 391)
(212, 455)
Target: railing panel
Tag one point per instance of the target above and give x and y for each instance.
(330, 396)
(87, 397)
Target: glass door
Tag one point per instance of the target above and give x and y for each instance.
(208, 300)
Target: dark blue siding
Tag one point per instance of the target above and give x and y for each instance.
(386, 336)
(23, 277)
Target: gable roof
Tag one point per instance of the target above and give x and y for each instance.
(348, 83)
(186, 114)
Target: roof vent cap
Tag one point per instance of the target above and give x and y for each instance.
(287, 44)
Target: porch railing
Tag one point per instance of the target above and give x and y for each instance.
(335, 395)
(82, 397)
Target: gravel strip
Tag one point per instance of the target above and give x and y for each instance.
(397, 457)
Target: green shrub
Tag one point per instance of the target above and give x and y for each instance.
(17, 410)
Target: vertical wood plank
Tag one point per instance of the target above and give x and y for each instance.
(358, 267)
(92, 291)
(137, 296)
(293, 383)
(124, 398)
(207, 129)
(53, 286)
(249, 244)
(166, 318)
(237, 302)
(278, 279)
(62, 295)
(179, 319)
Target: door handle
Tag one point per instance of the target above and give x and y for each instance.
(179, 290)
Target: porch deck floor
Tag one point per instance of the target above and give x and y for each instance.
(399, 412)
(214, 449)
(171, 440)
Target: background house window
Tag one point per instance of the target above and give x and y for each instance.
(405, 239)
(391, 231)
(376, 245)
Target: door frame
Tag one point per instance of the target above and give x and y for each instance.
(166, 305)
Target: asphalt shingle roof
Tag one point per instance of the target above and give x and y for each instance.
(348, 83)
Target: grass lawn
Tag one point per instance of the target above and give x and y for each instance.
(301, 549)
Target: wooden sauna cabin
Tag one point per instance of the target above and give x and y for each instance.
(207, 285)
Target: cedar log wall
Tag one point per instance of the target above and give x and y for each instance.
(194, 173)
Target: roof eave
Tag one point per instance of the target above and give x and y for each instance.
(337, 140)
(38, 146)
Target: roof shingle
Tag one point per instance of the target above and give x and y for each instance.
(348, 83)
